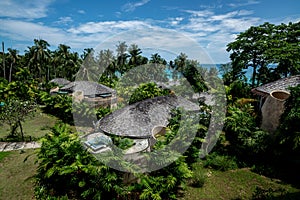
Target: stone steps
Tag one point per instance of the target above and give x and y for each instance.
(11, 146)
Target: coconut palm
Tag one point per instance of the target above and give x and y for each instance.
(64, 62)
(88, 70)
(122, 57)
(135, 58)
(39, 55)
(13, 58)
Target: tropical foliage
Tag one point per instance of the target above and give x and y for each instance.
(266, 44)
(67, 171)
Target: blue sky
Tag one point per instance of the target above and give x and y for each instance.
(208, 24)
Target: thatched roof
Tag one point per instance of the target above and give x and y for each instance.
(60, 81)
(89, 88)
(281, 84)
(138, 120)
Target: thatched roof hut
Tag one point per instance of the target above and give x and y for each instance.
(281, 84)
(272, 98)
(89, 88)
(139, 119)
(60, 81)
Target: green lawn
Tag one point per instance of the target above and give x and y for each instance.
(239, 184)
(3, 155)
(35, 127)
(16, 180)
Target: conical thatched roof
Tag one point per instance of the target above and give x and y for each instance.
(281, 84)
(89, 88)
(60, 81)
(138, 120)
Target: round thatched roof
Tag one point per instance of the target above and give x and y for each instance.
(138, 120)
(60, 81)
(89, 88)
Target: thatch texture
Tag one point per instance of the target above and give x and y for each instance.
(60, 81)
(281, 84)
(88, 88)
(138, 120)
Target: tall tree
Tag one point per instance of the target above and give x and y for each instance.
(13, 58)
(3, 61)
(156, 58)
(248, 50)
(65, 62)
(285, 48)
(135, 56)
(122, 57)
(39, 57)
(89, 70)
(267, 44)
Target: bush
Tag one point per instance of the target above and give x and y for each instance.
(220, 162)
(199, 175)
(147, 91)
(268, 194)
(66, 169)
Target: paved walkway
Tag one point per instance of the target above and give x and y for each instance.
(11, 146)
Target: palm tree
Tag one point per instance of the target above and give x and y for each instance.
(156, 58)
(134, 52)
(180, 62)
(88, 70)
(39, 56)
(64, 62)
(121, 57)
(107, 62)
(13, 58)
(3, 61)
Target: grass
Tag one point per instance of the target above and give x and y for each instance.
(3, 155)
(239, 184)
(16, 176)
(35, 127)
(17, 182)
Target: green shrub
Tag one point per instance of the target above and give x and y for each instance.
(220, 162)
(147, 91)
(199, 175)
(267, 194)
(65, 168)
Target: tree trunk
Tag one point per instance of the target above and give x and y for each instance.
(3, 54)
(254, 61)
(10, 72)
(13, 129)
(21, 128)
(48, 74)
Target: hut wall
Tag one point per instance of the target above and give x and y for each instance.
(102, 102)
(272, 110)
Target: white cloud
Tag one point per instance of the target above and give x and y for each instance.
(81, 11)
(245, 12)
(64, 20)
(21, 30)
(129, 7)
(32, 9)
(214, 31)
(199, 13)
(194, 31)
(108, 27)
(249, 2)
(212, 6)
(176, 20)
